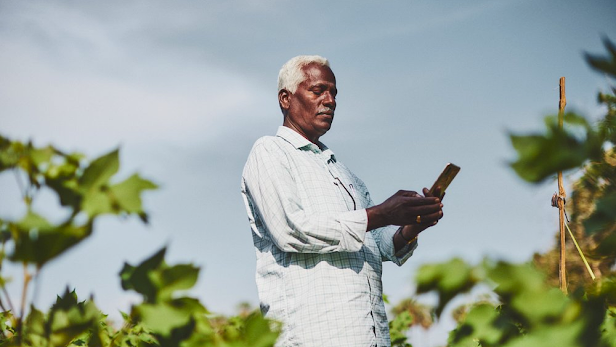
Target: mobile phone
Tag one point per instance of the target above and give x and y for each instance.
(443, 180)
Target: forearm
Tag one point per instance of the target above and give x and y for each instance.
(376, 218)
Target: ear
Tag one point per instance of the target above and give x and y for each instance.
(284, 100)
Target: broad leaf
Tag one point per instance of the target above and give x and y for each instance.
(37, 241)
(138, 278)
(128, 193)
(100, 171)
(448, 279)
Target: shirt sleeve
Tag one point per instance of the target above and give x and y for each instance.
(385, 240)
(273, 204)
(384, 237)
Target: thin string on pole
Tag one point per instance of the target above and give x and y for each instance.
(555, 201)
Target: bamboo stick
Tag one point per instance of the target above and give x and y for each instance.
(562, 270)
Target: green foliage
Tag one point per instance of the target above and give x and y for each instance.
(526, 308)
(450, 278)
(81, 186)
(398, 328)
(541, 155)
(529, 312)
(604, 64)
(37, 241)
(88, 190)
(174, 320)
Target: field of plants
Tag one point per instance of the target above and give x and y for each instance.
(527, 307)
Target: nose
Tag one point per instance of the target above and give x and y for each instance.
(329, 100)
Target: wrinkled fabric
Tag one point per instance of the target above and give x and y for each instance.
(318, 270)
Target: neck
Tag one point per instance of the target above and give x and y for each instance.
(289, 124)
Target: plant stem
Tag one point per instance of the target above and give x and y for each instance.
(3, 286)
(8, 299)
(22, 189)
(27, 279)
(20, 320)
(2, 306)
(37, 285)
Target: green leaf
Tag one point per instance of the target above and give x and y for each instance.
(10, 153)
(608, 328)
(128, 193)
(607, 247)
(260, 332)
(543, 155)
(100, 197)
(448, 279)
(398, 328)
(556, 335)
(37, 241)
(100, 170)
(178, 277)
(69, 318)
(604, 64)
(604, 215)
(34, 332)
(516, 279)
(479, 326)
(157, 281)
(138, 279)
(98, 201)
(162, 318)
(540, 306)
(67, 190)
(33, 220)
(40, 156)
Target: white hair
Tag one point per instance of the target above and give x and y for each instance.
(291, 74)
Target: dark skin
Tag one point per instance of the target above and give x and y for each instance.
(310, 112)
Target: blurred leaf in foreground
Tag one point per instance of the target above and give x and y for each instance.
(542, 155)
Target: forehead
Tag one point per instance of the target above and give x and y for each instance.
(318, 74)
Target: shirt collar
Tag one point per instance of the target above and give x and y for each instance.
(300, 142)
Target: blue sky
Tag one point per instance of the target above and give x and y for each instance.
(185, 88)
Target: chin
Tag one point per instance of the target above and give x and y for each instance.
(325, 128)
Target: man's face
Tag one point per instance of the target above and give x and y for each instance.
(310, 110)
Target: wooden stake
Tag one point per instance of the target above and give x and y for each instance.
(562, 270)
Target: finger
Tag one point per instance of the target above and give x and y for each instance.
(408, 193)
(421, 205)
(438, 192)
(420, 200)
(422, 215)
(432, 218)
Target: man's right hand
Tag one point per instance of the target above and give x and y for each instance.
(403, 208)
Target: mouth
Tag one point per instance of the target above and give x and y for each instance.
(328, 116)
(327, 112)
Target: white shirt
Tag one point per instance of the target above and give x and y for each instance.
(318, 270)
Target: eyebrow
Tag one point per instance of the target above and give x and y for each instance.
(322, 85)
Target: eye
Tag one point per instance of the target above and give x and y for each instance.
(317, 91)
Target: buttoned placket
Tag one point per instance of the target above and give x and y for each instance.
(348, 194)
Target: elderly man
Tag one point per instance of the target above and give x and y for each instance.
(319, 239)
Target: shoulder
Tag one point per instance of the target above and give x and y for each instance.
(268, 145)
(269, 150)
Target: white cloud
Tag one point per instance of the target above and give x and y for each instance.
(89, 89)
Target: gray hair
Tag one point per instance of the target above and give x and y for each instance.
(291, 74)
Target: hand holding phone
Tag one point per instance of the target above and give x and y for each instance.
(444, 179)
